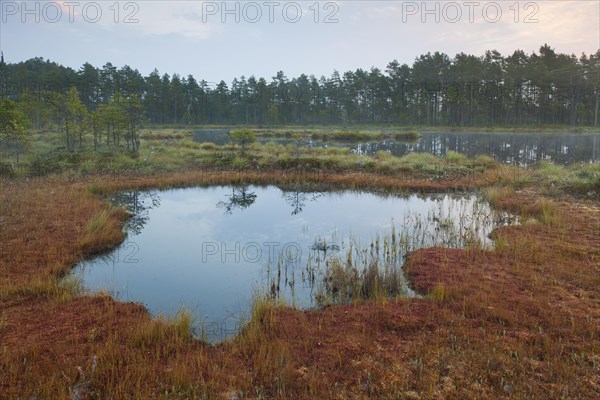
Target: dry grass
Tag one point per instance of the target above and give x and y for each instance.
(521, 321)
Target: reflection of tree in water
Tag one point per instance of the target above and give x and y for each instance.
(298, 199)
(139, 205)
(240, 197)
(518, 149)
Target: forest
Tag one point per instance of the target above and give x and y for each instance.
(447, 214)
(541, 88)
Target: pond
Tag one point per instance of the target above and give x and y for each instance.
(210, 249)
(516, 149)
(510, 148)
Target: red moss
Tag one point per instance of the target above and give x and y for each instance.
(521, 321)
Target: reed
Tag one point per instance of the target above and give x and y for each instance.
(520, 321)
(374, 270)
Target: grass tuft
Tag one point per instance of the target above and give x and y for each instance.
(97, 222)
(184, 322)
(454, 157)
(547, 212)
(439, 292)
(497, 196)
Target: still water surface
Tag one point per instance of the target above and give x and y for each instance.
(208, 249)
(511, 148)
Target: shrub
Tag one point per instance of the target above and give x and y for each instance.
(242, 137)
(6, 170)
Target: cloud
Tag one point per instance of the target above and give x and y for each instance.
(147, 18)
(182, 18)
(568, 26)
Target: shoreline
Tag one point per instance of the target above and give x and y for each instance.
(47, 230)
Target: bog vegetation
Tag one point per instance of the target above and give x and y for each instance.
(520, 320)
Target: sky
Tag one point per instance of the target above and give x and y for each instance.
(216, 40)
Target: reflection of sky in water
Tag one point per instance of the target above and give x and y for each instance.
(170, 262)
(512, 148)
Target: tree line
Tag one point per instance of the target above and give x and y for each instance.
(546, 88)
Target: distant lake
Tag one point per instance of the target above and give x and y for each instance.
(510, 148)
